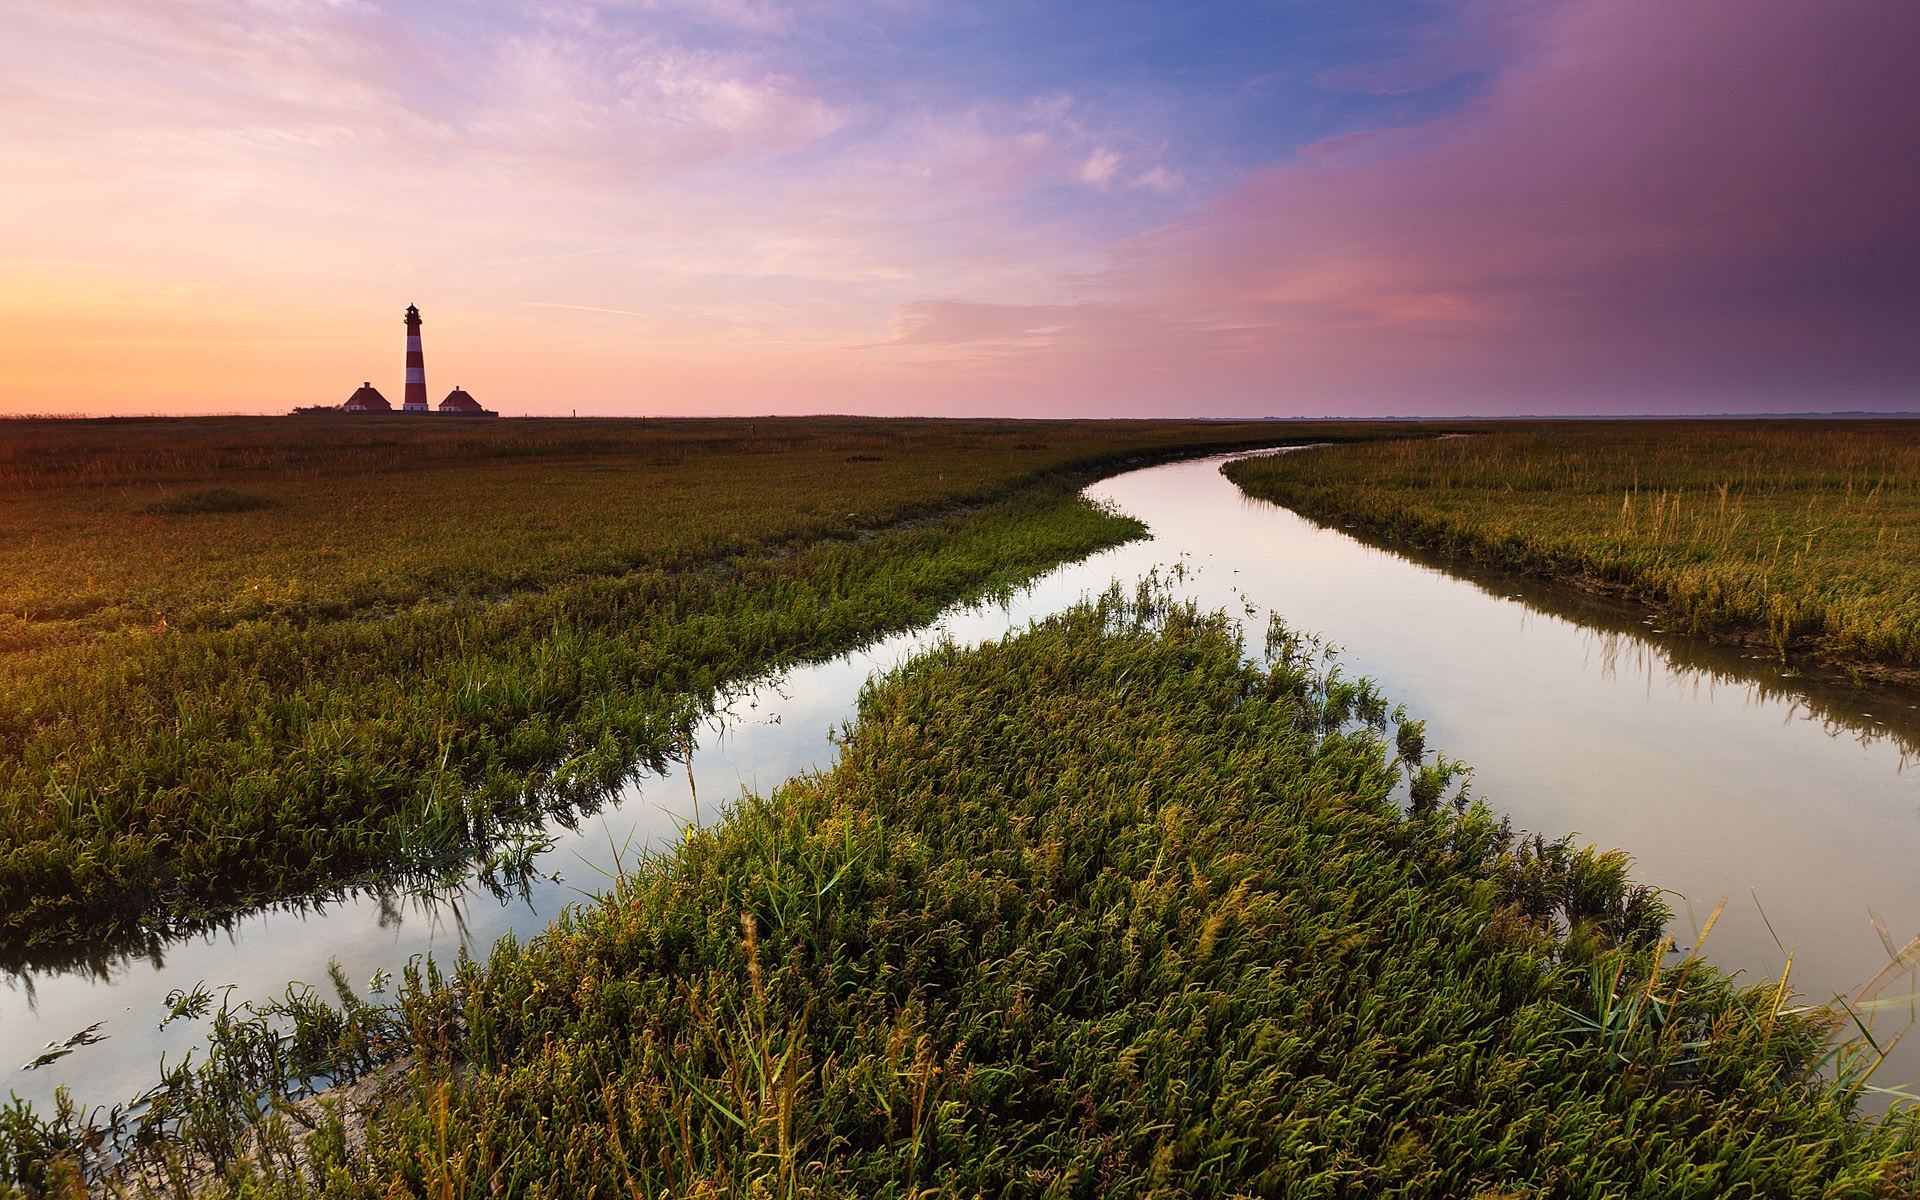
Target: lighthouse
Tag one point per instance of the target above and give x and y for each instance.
(416, 396)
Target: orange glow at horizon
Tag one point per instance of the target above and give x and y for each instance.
(713, 207)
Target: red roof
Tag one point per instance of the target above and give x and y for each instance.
(366, 399)
(458, 401)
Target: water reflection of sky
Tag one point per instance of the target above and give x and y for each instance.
(1720, 775)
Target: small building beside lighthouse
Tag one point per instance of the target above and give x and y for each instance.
(366, 399)
(459, 404)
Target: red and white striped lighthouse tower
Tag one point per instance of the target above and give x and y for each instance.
(416, 397)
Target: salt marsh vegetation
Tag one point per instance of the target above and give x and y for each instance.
(408, 642)
(1799, 537)
(1101, 909)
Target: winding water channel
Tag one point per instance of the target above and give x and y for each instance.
(1722, 774)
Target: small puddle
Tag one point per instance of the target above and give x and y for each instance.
(1722, 776)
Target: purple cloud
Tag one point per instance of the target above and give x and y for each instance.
(1654, 206)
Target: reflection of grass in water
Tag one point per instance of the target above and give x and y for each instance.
(1837, 698)
(1803, 535)
(1865, 714)
(1101, 909)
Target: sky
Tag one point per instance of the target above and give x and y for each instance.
(1029, 208)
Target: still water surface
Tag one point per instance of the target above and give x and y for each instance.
(1722, 774)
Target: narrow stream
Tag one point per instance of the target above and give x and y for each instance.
(1722, 774)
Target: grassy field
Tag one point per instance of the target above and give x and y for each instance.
(1799, 536)
(1101, 910)
(245, 659)
(194, 524)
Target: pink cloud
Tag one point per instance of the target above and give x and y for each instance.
(959, 322)
(1719, 199)
(1099, 168)
(1712, 205)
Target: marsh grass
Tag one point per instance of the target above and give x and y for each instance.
(209, 500)
(1798, 536)
(1099, 910)
(271, 759)
(121, 525)
(433, 637)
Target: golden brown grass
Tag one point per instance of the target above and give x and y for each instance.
(382, 513)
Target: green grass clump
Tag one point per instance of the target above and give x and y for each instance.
(1103, 910)
(270, 759)
(432, 635)
(208, 500)
(1802, 536)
